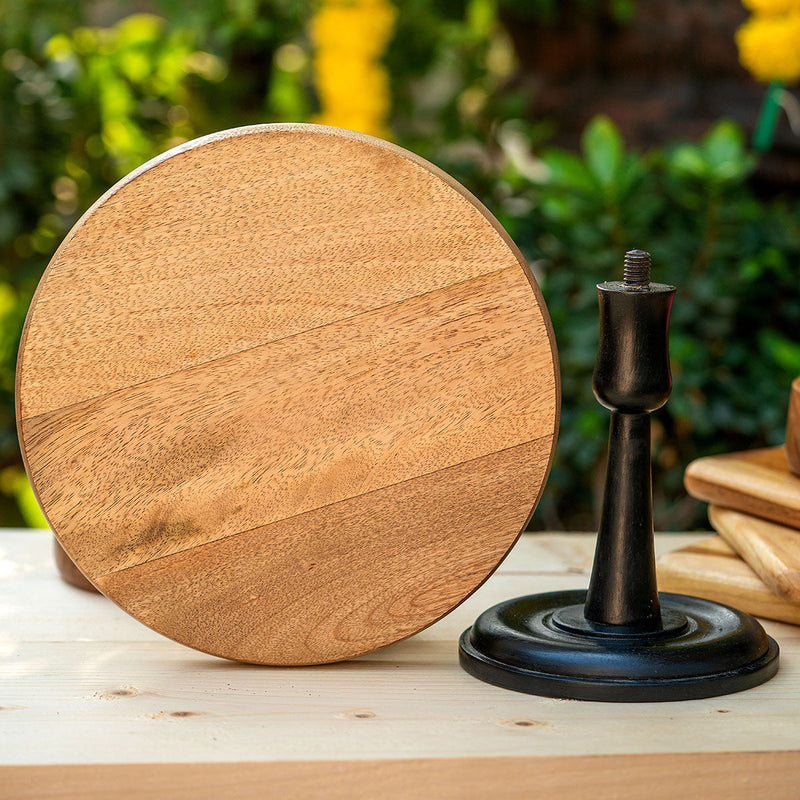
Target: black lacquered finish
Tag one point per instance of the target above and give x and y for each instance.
(631, 378)
(621, 640)
(706, 649)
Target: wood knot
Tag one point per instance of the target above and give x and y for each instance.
(521, 723)
(123, 691)
(358, 713)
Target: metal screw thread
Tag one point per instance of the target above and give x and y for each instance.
(637, 268)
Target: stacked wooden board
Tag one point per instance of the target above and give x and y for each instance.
(754, 561)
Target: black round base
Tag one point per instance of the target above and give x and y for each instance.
(542, 644)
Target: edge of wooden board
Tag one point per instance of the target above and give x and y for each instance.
(713, 570)
(756, 482)
(657, 776)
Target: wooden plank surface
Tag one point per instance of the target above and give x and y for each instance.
(772, 551)
(757, 482)
(83, 684)
(287, 394)
(711, 568)
(712, 776)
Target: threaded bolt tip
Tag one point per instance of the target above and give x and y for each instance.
(637, 268)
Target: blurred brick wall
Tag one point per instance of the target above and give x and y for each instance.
(667, 74)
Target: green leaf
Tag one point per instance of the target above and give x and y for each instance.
(724, 142)
(603, 148)
(725, 153)
(138, 28)
(28, 505)
(785, 352)
(568, 171)
(687, 160)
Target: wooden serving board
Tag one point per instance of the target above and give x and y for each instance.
(771, 550)
(793, 429)
(712, 569)
(757, 482)
(287, 394)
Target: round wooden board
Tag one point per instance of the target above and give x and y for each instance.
(287, 394)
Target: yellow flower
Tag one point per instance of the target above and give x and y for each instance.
(350, 36)
(769, 46)
(772, 7)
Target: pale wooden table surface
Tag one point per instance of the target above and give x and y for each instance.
(95, 705)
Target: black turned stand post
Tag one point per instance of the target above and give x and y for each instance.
(621, 640)
(631, 378)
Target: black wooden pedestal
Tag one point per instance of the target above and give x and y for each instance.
(621, 640)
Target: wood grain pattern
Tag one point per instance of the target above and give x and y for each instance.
(713, 570)
(659, 776)
(771, 550)
(322, 599)
(757, 482)
(793, 429)
(255, 361)
(96, 705)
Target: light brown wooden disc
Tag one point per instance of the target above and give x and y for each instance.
(287, 394)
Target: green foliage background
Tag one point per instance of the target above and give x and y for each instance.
(85, 100)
